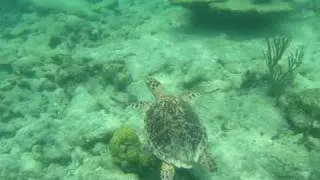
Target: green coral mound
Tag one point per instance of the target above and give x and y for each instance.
(127, 151)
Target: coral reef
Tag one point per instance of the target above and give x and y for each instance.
(60, 74)
(240, 6)
(67, 66)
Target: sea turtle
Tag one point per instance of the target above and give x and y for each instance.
(175, 133)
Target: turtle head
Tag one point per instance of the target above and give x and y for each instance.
(154, 86)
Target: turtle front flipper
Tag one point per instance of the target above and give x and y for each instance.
(167, 171)
(189, 95)
(139, 105)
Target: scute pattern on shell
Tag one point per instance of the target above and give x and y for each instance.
(175, 131)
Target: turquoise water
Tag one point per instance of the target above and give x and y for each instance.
(73, 95)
